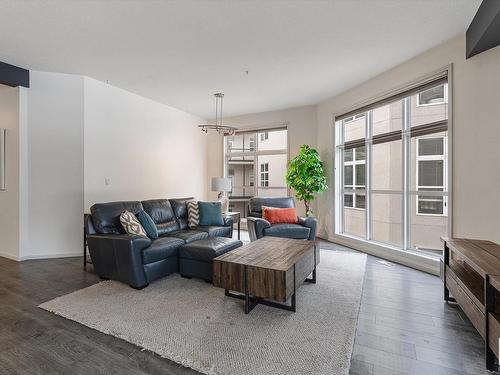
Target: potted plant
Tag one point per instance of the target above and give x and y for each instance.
(306, 176)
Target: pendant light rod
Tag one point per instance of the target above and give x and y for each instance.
(218, 126)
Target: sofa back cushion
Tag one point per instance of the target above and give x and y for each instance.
(180, 210)
(255, 204)
(162, 214)
(106, 216)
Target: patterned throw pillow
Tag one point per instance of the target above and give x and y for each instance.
(131, 224)
(193, 214)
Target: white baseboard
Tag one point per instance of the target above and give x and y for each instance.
(9, 256)
(415, 261)
(41, 256)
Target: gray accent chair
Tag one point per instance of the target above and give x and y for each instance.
(258, 227)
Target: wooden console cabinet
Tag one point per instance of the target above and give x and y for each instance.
(470, 270)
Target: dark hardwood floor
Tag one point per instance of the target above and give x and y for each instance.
(404, 327)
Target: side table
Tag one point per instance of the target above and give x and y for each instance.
(236, 218)
(85, 258)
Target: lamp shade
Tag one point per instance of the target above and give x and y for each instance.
(221, 184)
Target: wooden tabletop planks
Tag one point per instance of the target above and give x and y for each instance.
(269, 252)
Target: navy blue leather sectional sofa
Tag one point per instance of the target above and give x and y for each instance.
(137, 260)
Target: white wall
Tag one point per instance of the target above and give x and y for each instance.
(301, 130)
(9, 199)
(66, 135)
(143, 148)
(55, 166)
(476, 131)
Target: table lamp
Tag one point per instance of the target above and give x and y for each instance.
(222, 185)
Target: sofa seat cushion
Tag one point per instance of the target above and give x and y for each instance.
(161, 248)
(208, 249)
(216, 231)
(287, 231)
(189, 235)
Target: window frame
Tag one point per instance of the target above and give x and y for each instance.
(354, 163)
(264, 174)
(442, 158)
(264, 136)
(445, 98)
(355, 117)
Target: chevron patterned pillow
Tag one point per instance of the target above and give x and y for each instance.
(193, 214)
(131, 224)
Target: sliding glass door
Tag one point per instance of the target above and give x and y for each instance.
(392, 171)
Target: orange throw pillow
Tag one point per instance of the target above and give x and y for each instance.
(280, 215)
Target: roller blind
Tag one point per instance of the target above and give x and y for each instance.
(260, 130)
(435, 80)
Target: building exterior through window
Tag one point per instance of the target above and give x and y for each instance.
(251, 155)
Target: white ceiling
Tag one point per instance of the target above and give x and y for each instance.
(181, 52)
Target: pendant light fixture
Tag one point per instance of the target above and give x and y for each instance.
(218, 126)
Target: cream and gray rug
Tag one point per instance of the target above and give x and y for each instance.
(192, 323)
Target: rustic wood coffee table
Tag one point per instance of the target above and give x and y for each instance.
(267, 271)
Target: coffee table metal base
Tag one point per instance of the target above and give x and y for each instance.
(313, 278)
(252, 301)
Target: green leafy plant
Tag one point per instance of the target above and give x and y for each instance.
(306, 176)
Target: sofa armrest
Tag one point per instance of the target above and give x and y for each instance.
(228, 221)
(119, 257)
(311, 223)
(256, 227)
(254, 214)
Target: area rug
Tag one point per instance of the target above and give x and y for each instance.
(194, 324)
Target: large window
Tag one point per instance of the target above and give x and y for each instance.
(256, 162)
(392, 170)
